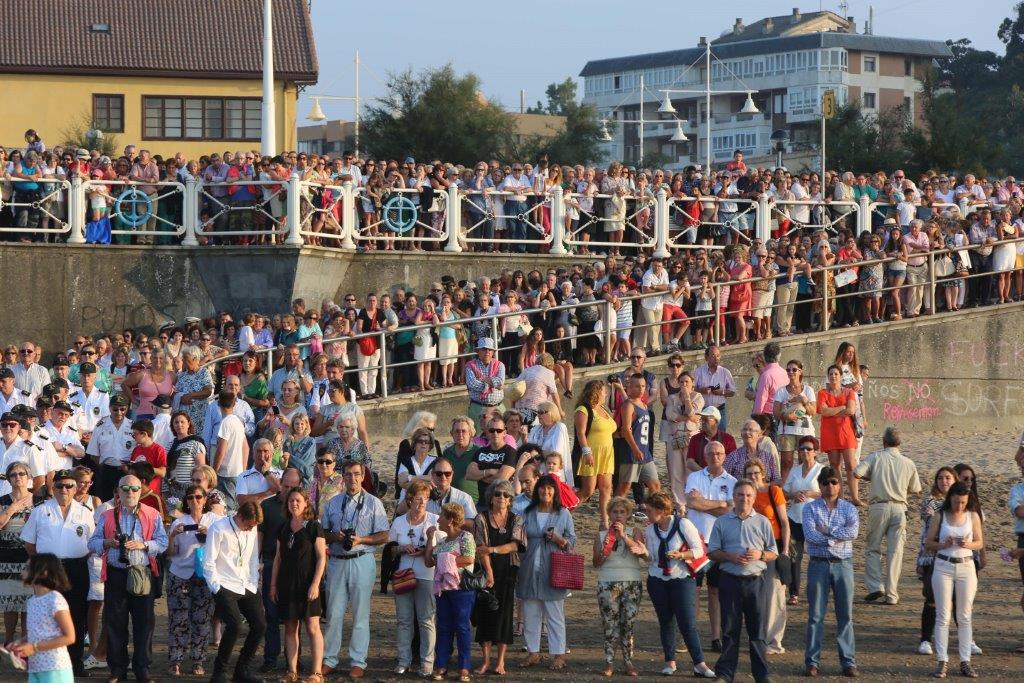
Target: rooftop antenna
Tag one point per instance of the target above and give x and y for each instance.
(844, 7)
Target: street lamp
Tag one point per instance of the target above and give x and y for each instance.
(748, 107)
(665, 108)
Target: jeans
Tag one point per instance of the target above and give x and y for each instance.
(740, 599)
(676, 598)
(231, 608)
(453, 612)
(272, 638)
(118, 607)
(823, 576)
(796, 554)
(414, 612)
(226, 485)
(516, 225)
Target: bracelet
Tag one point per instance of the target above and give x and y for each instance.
(586, 450)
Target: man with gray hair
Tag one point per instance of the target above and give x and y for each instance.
(893, 476)
(261, 481)
(146, 172)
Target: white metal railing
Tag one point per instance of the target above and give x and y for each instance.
(296, 213)
(38, 206)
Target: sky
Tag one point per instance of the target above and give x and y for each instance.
(528, 44)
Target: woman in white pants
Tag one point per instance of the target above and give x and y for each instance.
(953, 535)
(414, 608)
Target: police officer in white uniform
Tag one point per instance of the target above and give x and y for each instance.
(62, 526)
(110, 447)
(15, 446)
(162, 433)
(90, 403)
(10, 395)
(63, 437)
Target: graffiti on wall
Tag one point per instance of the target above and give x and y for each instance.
(904, 400)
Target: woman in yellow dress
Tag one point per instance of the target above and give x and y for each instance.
(592, 449)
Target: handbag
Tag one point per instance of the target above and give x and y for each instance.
(198, 555)
(566, 571)
(403, 581)
(944, 267)
(845, 277)
(367, 345)
(472, 580)
(140, 581)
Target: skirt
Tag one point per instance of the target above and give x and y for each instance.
(447, 347)
(426, 350)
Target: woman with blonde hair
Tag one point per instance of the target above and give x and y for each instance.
(551, 434)
(592, 449)
(421, 419)
(615, 185)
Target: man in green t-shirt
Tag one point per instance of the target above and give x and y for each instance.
(461, 452)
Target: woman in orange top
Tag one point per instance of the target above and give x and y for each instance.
(837, 406)
(771, 502)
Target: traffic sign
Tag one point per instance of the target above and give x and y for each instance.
(828, 104)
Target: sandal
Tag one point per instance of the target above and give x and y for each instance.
(438, 675)
(967, 670)
(464, 676)
(198, 670)
(940, 671)
(315, 678)
(290, 677)
(607, 671)
(532, 660)
(793, 600)
(558, 664)
(174, 671)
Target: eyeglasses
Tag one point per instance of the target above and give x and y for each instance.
(792, 370)
(12, 475)
(130, 489)
(806, 448)
(446, 473)
(70, 486)
(424, 442)
(502, 494)
(324, 461)
(831, 482)
(196, 496)
(495, 430)
(675, 365)
(637, 357)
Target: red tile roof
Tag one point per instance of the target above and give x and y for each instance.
(193, 38)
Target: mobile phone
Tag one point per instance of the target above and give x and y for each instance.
(275, 410)
(191, 527)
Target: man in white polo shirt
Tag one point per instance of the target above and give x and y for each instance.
(708, 497)
(261, 481)
(110, 447)
(62, 526)
(232, 450)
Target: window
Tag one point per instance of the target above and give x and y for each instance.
(108, 113)
(201, 118)
(908, 66)
(870, 64)
(870, 101)
(617, 82)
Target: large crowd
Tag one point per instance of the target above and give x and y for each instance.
(248, 501)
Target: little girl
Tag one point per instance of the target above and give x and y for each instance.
(553, 465)
(50, 630)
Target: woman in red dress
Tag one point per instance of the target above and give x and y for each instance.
(740, 294)
(837, 406)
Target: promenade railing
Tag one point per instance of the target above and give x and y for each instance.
(299, 213)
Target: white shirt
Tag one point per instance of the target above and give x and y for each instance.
(242, 410)
(232, 560)
(183, 561)
(650, 278)
(89, 410)
(721, 377)
(797, 482)
(65, 436)
(404, 533)
(50, 532)
(556, 440)
(233, 432)
(800, 212)
(24, 451)
(454, 495)
(41, 439)
(31, 379)
(162, 433)
(17, 398)
(712, 488)
(110, 444)
(252, 482)
(517, 186)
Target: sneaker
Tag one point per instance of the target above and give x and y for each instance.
(889, 600)
(925, 648)
(975, 650)
(668, 671)
(91, 662)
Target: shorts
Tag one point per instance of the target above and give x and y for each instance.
(788, 442)
(647, 471)
(671, 314)
(623, 335)
(95, 583)
(713, 573)
(762, 302)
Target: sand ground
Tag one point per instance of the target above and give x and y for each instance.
(887, 636)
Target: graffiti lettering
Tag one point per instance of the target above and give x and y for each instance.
(120, 316)
(972, 397)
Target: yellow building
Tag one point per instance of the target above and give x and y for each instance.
(169, 76)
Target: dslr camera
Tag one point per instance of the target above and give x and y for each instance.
(346, 542)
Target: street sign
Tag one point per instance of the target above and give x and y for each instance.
(828, 104)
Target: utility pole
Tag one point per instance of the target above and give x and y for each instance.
(268, 133)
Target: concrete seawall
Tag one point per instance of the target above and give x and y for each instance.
(90, 289)
(961, 370)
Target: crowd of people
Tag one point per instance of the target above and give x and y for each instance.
(170, 481)
(612, 207)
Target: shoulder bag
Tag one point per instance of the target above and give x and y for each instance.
(783, 563)
(566, 572)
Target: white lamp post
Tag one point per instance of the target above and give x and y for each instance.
(268, 134)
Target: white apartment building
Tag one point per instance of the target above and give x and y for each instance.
(786, 62)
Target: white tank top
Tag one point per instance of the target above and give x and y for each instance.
(965, 531)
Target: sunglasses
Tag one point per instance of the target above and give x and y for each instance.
(424, 442)
(637, 357)
(26, 352)
(446, 473)
(130, 489)
(88, 353)
(118, 409)
(806, 448)
(324, 462)
(494, 430)
(502, 494)
(675, 365)
(831, 482)
(9, 425)
(195, 497)
(13, 475)
(65, 486)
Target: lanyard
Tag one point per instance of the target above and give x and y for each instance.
(238, 540)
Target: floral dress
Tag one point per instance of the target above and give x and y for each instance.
(871, 276)
(13, 593)
(191, 382)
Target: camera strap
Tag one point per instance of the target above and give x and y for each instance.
(355, 515)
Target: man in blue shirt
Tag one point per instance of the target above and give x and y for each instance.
(830, 524)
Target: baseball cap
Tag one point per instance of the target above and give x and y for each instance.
(82, 153)
(711, 411)
(87, 368)
(119, 401)
(485, 343)
(63, 405)
(6, 373)
(64, 474)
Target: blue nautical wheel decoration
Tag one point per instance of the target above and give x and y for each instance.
(400, 214)
(134, 207)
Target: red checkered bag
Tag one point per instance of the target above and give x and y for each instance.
(566, 571)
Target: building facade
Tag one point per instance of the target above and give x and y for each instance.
(168, 76)
(785, 62)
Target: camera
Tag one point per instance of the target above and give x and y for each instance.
(123, 554)
(612, 379)
(346, 542)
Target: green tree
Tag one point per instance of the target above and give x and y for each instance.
(859, 141)
(78, 134)
(578, 142)
(436, 114)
